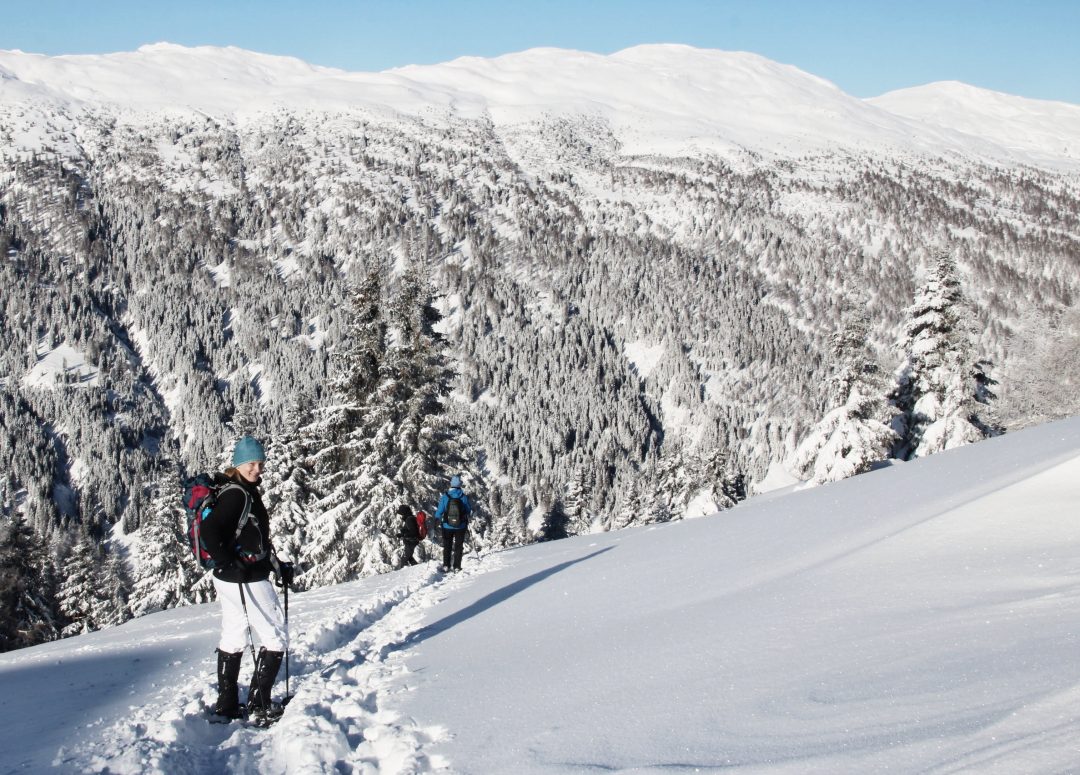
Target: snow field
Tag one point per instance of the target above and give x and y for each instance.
(920, 618)
(63, 364)
(915, 619)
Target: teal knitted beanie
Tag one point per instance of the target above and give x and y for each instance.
(248, 450)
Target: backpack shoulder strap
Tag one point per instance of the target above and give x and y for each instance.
(246, 513)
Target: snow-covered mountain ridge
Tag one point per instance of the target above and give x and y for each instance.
(1049, 129)
(668, 99)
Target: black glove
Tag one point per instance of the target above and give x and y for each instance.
(284, 570)
(288, 571)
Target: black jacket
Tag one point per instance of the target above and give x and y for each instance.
(410, 529)
(219, 529)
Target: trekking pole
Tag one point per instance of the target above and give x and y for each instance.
(247, 621)
(287, 695)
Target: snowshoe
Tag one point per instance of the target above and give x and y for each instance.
(214, 717)
(266, 716)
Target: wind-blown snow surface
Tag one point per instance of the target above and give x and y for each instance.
(921, 618)
(655, 99)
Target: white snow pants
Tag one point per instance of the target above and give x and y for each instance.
(263, 611)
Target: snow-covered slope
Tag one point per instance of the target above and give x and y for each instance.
(1040, 127)
(918, 618)
(657, 99)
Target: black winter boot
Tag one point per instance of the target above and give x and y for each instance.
(259, 705)
(228, 670)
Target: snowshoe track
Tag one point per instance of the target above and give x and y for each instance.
(342, 668)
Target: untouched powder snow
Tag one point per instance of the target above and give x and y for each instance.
(919, 618)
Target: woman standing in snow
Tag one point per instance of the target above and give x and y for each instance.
(237, 537)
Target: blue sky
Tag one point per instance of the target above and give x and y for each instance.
(866, 47)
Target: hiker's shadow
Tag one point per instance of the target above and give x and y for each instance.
(491, 599)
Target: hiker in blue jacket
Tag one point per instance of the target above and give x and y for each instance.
(453, 516)
(237, 536)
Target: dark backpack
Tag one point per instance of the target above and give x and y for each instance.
(455, 512)
(200, 494)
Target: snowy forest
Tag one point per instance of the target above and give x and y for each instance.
(592, 339)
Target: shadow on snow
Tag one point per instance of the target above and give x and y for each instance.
(490, 600)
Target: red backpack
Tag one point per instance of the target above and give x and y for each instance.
(200, 493)
(421, 518)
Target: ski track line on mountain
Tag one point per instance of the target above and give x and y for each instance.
(341, 670)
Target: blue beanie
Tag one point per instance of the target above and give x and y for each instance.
(455, 481)
(248, 450)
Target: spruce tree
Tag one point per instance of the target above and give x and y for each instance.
(508, 519)
(855, 432)
(727, 486)
(576, 503)
(939, 386)
(116, 585)
(628, 510)
(393, 444)
(340, 457)
(666, 487)
(83, 598)
(286, 491)
(555, 522)
(415, 429)
(165, 572)
(27, 587)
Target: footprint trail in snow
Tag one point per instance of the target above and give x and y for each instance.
(346, 658)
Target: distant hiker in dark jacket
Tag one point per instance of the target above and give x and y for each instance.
(237, 536)
(409, 533)
(453, 516)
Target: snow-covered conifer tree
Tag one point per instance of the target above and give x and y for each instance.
(855, 432)
(629, 508)
(508, 520)
(725, 483)
(26, 587)
(286, 492)
(340, 442)
(115, 590)
(576, 502)
(400, 445)
(429, 445)
(554, 525)
(83, 598)
(677, 479)
(939, 385)
(165, 572)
